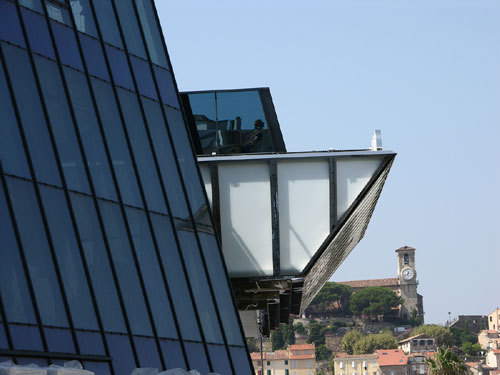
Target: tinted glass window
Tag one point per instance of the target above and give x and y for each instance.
(125, 268)
(66, 45)
(142, 151)
(152, 32)
(149, 264)
(100, 368)
(83, 16)
(98, 263)
(68, 258)
(59, 340)
(10, 28)
(36, 249)
(165, 157)
(32, 117)
(90, 134)
(119, 347)
(36, 5)
(13, 286)
(3, 339)
(130, 27)
(143, 77)
(197, 357)
(240, 360)
(204, 115)
(147, 351)
(58, 11)
(11, 147)
(199, 285)
(94, 58)
(90, 342)
(29, 360)
(62, 125)
(175, 277)
(107, 22)
(166, 86)
(38, 33)
(221, 290)
(220, 362)
(172, 353)
(119, 67)
(25, 337)
(122, 163)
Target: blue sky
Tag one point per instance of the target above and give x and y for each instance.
(427, 73)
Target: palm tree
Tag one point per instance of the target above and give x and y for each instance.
(446, 363)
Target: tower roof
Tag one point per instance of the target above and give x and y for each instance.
(406, 248)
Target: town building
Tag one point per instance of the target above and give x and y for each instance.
(489, 339)
(473, 323)
(295, 360)
(493, 359)
(494, 319)
(356, 364)
(404, 285)
(418, 344)
(392, 362)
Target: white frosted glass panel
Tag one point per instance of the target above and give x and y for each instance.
(245, 211)
(205, 175)
(304, 211)
(352, 176)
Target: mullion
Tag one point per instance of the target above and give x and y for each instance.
(11, 210)
(204, 192)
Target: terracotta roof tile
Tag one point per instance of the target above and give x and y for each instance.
(302, 347)
(496, 351)
(392, 357)
(373, 282)
(414, 337)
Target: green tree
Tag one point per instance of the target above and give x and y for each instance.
(299, 328)
(368, 344)
(316, 333)
(333, 298)
(322, 352)
(446, 363)
(252, 345)
(288, 332)
(442, 335)
(471, 349)
(374, 301)
(350, 339)
(277, 340)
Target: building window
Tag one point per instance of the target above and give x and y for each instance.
(286, 371)
(268, 363)
(406, 259)
(491, 318)
(286, 361)
(341, 364)
(353, 364)
(294, 363)
(268, 372)
(309, 363)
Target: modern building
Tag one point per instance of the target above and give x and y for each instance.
(295, 360)
(494, 319)
(102, 259)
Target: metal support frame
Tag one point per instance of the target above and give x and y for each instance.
(273, 178)
(332, 173)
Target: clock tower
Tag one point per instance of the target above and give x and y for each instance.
(407, 280)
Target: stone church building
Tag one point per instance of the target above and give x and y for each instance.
(404, 285)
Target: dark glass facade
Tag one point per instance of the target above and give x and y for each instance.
(101, 257)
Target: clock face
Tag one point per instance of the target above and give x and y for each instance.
(407, 273)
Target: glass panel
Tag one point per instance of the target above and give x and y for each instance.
(11, 147)
(59, 340)
(62, 125)
(245, 209)
(107, 22)
(38, 33)
(142, 151)
(220, 362)
(98, 368)
(32, 117)
(152, 32)
(125, 269)
(130, 27)
(58, 12)
(90, 342)
(3, 337)
(221, 289)
(90, 134)
(197, 357)
(199, 285)
(203, 109)
(166, 86)
(36, 5)
(94, 57)
(36, 249)
(10, 28)
(117, 144)
(241, 123)
(147, 351)
(143, 77)
(240, 361)
(175, 276)
(66, 45)
(148, 262)
(13, 286)
(119, 68)
(120, 350)
(98, 263)
(27, 361)
(172, 353)
(25, 337)
(83, 16)
(68, 258)
(187, 162)
(303, 193)
(165, 157)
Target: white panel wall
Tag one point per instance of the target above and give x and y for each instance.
(245, 211)
(304, 211)
(353, 173)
